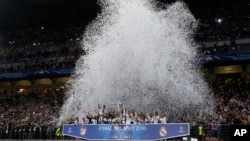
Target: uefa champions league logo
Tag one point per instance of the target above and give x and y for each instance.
(181, 130)
(70, 130)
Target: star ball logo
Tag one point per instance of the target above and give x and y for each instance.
(163, 131)
(70, 130)
(181, 130)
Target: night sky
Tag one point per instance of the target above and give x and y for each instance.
(16, 14)
(25, 13)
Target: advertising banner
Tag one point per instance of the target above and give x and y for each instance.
(43, 72)
(126, 131)
(226, 57)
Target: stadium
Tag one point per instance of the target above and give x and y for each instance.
(124, 70)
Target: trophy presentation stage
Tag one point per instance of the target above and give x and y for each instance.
(126, 131)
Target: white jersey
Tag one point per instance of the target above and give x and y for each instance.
(100, 120)
(128, 120)
(94, 121)
(163, 120)
(76, 122)
(123, 119)
(155, 119)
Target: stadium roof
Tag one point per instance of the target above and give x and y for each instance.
(25, 13)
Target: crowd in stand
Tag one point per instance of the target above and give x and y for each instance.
(232, 106)
(232, 99)
(17, 57)
(36, 114)
(34, 109)
(40, 49)
(223, 21)
(30, 49)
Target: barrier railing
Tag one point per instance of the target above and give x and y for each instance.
(209, 133)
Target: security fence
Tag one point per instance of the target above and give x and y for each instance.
(199, 132)
(31, 132)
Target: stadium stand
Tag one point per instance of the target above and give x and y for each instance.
(31, 94)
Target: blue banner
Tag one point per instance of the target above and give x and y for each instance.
(126, 131)
(61, 71)
(42, 72)
(226, 57)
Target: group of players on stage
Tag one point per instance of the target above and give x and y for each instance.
(121, 116)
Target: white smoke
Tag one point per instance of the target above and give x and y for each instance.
(140, 55)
